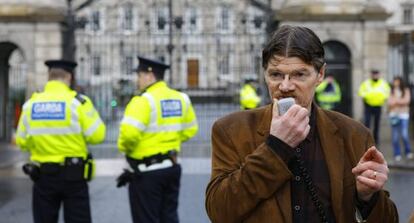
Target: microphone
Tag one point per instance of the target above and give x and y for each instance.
(284, 104)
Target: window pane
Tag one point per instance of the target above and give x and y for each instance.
(128, 18)
(96, 63)
(96, 21)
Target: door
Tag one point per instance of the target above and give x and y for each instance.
(192, 73)
(338, 60)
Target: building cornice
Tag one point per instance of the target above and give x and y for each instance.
(322, 11)
(30, 13)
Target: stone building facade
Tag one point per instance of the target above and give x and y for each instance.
(211, 45)
(29, 34)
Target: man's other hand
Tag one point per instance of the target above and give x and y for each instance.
(371, 173)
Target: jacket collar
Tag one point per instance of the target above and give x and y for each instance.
(56, 86)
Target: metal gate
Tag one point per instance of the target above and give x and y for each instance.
(12, 88)
(210, 47)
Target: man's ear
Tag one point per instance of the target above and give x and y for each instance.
(321, 74)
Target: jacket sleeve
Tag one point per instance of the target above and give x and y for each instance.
(93, 128)
(22, 136)
(135, 120)
(238, 186)
(190, 125)
(384, 210)
(362, 92)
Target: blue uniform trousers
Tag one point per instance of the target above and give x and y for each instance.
(153, 196)
(51, 190)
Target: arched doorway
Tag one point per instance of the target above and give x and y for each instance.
(12, 87)
(338, 60)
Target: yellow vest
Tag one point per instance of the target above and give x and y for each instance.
(325, 99)
(248, 97)
(374, 93)
(58, 123)
(156, 121)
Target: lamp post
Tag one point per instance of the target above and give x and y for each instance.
(70, 24)
(406, 56)
(178, 22)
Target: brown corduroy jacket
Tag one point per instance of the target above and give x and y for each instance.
(250, 183)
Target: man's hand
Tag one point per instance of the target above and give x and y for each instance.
(292, 127)
(371, 173)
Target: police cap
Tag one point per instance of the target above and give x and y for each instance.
(149, 65)
(66, 65)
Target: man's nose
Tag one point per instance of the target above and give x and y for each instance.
(286, 84)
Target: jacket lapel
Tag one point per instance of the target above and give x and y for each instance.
(333, 149)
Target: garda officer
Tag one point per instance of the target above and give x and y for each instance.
(328, 93)
(374, 92)
(154, 125)
(249, 98)
(55, 127)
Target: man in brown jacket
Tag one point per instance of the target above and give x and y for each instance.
(307, 165)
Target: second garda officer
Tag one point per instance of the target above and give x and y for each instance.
(55, 127)
(154, 125)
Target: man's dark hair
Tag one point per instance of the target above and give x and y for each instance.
(295, 41)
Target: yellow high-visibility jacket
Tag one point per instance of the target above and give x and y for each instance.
(327, 99)
(58, 123)
(156, 121)
(374, 93)
(248, 97)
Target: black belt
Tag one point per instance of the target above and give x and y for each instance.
(148, 161)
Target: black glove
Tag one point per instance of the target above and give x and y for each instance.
(32, 170)
(124, 178)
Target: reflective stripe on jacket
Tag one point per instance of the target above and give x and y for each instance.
(156, 121)
(56, 123)
(374, 93)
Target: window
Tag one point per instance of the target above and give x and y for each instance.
(127, 17)
(407, 16)
(96, 65)
(224, 20)
(224, 64)
(255, 21)
(127, 66)
(192, 20)
(162, 19)
(96, 21)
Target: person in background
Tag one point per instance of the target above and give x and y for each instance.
(55, 127)
(154, 125)
(249, 97)
(399, 114)
(328, 93)
(306, 165)
(374, 91)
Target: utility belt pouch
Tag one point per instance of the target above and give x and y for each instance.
(89, 171)
(32, 170)
(74, 168)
